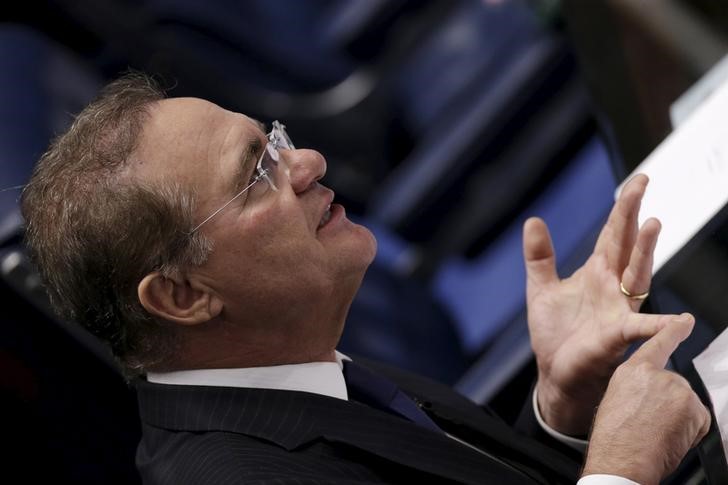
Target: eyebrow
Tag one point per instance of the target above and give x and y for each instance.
(248, 157)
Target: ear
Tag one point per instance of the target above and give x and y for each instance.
(178, 300)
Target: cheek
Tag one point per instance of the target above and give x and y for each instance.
(276, 217)
(275, 244)
(272, 244)
(275, 237)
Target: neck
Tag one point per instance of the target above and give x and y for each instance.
(218, 348)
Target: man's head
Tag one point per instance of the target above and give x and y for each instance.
(110, 210)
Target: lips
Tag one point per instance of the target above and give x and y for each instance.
(326, 217)
(326, 209)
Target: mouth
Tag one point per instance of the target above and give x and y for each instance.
(326, 217)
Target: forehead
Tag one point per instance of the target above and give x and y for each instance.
(185, 138)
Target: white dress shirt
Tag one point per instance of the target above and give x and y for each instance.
(326, 379)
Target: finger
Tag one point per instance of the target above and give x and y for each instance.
(640, 326)
(620, 232)
(538, 252)
(659, 348)
(638, 274)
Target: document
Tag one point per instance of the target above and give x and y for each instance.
(688, 175)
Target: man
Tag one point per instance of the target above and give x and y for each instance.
(218, 269)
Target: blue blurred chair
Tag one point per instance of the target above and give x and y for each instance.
(487, 294)
(483, 297)
(464, 96)
(39, 90)
(497, 111)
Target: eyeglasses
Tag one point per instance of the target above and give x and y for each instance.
(270, 167)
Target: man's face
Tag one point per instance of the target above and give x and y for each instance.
(275, 265)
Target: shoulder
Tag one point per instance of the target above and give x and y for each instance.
(211, 457)
(228, 458)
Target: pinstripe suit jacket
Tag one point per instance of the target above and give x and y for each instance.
(216, 435)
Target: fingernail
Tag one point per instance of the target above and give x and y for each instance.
(685, 318)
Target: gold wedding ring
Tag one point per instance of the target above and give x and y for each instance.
(626, 293)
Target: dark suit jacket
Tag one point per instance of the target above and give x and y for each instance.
(218, 435)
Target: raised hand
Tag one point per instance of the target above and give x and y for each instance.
(581, 326)
(649, 417)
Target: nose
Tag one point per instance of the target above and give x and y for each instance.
(305, 168)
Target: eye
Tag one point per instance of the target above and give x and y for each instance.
(256, 150)
(253, 176)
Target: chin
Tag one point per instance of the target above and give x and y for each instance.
(372, 252)
(369, 244)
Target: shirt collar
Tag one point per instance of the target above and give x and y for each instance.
(324, 378)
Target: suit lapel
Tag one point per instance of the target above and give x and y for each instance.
(409, 444)
(468, 421)
(293, 419)
(490, 433)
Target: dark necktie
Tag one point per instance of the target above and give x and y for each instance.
(377, 391)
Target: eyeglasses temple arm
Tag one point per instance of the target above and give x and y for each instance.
(226, 204)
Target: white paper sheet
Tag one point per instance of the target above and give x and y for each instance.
(683, 106)
(688, 176)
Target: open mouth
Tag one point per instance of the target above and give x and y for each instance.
(326, 217)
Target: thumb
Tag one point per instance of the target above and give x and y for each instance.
(659, 348)
(538, 252)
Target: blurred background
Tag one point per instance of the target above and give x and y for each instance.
(445, 123)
